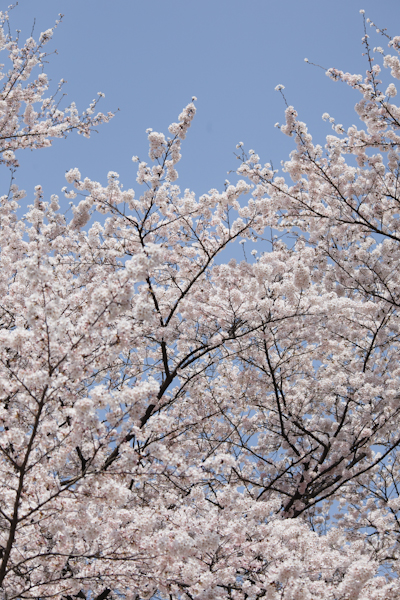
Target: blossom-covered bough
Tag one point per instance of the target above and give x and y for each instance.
(27, 118)
(174, 427)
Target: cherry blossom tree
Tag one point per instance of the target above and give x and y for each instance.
(176, 427)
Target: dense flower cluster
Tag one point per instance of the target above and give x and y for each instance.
(176, 427)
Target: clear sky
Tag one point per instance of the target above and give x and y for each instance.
(151, 57)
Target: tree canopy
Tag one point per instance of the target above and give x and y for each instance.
(173, 426)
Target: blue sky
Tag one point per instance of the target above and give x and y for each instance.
(150, 58)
